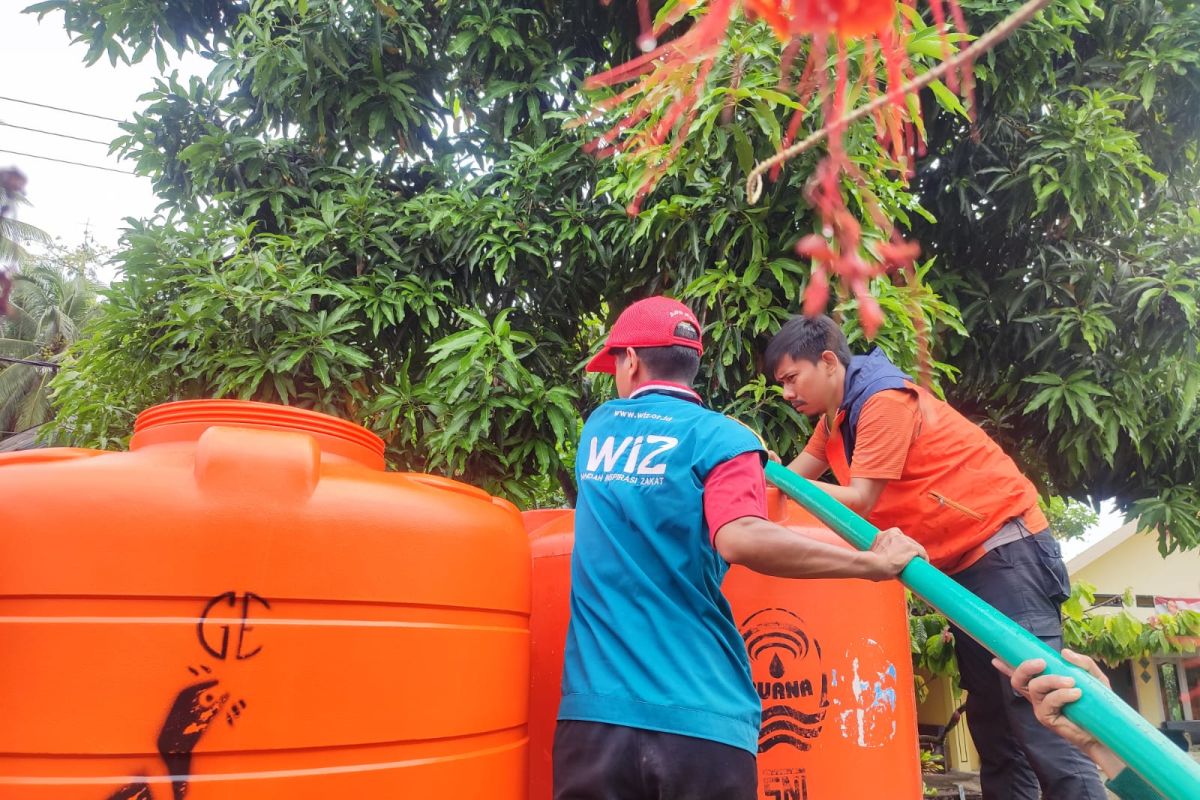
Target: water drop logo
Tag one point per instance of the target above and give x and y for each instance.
(786, 666)
(776, 668)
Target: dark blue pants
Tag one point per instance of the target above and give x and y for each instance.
(595, 761)
(1027, 581)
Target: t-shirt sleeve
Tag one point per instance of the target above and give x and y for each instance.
(816, 442)
(735, 488)
(886, 428)
(1128, 785)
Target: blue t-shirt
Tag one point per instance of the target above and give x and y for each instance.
(652, 643)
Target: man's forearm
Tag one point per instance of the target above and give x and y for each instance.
(806, 465)
(772, 550)
(848, 496)
(1105, 759)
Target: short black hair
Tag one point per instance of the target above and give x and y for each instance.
(806, 338)
(677, 363)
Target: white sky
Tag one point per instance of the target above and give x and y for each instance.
(39, 64)
(1109, 521)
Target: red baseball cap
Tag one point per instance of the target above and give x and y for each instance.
(646, 323)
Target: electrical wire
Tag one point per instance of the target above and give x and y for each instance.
(18, 433)
(52, 133)
(65, 161)
(59, 108)
(29, 362)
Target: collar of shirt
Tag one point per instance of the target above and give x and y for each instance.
(666, 387)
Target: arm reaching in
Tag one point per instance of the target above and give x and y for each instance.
(860, 496)
(1049, 693)
(774, 550)
(806, 465)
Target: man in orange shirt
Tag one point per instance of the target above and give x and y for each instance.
(904, 458)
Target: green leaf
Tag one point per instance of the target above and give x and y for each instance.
(948, 99)
(744, 150)
(1146, 89)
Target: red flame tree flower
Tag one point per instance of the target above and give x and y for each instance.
(673, 74)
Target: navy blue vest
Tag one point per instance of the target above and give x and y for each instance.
(865, 377)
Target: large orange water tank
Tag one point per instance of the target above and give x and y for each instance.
(830, 660)
(246, 606)
(551, 538)
(537, 517)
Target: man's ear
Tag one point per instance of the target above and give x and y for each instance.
(630, 357)
(830, 359)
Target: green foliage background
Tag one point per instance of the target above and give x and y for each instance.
(54, 297)
(376, 209)
(1111, 636)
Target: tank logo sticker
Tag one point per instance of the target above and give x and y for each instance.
(864, 700)
(783, 784)
(785, 663)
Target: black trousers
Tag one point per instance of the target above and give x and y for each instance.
(595, 761)
(1027, 581)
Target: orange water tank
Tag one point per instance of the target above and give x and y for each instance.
(551, 539)
(537, 517)
(246, 606)
(830, 660)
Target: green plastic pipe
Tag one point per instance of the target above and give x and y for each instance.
(1135, 741)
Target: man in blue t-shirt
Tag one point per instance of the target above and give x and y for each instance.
(657, 696)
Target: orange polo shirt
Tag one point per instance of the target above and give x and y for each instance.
(886, 429)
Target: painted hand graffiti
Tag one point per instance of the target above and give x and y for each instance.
(190, 715)
(134, 791)
(203, 699)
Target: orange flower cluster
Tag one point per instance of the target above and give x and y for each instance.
(673, 75)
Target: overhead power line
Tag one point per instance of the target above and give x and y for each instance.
(27, 430)
(29, 362)
(65, 161)
(59, 108)
(53, 133)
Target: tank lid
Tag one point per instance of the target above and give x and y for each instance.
(264, 415)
